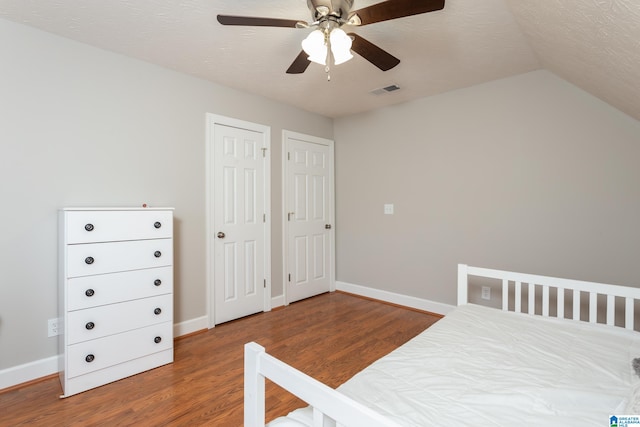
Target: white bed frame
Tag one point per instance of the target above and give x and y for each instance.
(541, 293)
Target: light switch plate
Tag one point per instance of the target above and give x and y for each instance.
(388, 209)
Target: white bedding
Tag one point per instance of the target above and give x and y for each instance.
(480, 366)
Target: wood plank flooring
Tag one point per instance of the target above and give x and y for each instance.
(330, 337)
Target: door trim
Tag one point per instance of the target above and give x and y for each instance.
(211, 121)
(286, 134)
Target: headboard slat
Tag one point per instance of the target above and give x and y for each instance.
(518, 306)
(576, 304)
(560, 303)
(545, 300)
(611, 310)
(593, 307)
(628, 313)
(505, 294)
(532, 298)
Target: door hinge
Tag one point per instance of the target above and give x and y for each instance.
(264, 217)
(289, 276)
(265, 283)
(288, 156)
(264, 151)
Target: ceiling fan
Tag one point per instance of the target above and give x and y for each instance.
(329, 43)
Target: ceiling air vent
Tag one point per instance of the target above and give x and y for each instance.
(385, 89)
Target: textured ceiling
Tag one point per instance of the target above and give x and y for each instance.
(594, 44)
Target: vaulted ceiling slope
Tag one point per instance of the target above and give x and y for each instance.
(594, 44)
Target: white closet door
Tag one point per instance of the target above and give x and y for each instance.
(309, 218)
(239, 228)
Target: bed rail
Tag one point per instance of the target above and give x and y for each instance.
(326, 402)
(548, 291)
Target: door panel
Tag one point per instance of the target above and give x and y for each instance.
(230, 267)
(310, 211)
(250, 279)
(319, 267)
(300, 269)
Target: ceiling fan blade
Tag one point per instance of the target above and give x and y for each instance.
(300, 64)
(393, 9)
(257, 21)
(372, 53)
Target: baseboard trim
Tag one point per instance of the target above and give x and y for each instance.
(391, 297)
(28, 372)
(190, 326)
(277, 301)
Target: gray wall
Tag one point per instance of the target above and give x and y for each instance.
(80, 126)
(527, 174)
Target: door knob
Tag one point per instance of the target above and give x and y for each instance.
(221, 235)
(327, 226)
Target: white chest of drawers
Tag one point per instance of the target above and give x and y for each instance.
(115, 294)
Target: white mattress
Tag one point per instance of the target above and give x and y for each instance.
(484, 367)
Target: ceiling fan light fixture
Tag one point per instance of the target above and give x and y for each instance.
(314, 46)
(340, 46)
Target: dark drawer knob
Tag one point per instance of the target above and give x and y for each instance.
(157, 310)
(157, 224)
(157, 282)
(89, 260)
(88, 227)
(157, 340)
(157, 254)
(90, 358)
(90, 325)
(89, 292)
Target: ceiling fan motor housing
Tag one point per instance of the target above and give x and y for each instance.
(323, 8)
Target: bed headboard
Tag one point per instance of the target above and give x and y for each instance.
(555, 297)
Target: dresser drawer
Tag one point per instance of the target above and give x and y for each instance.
(103, 289)
(100, 258)
(103, 226)
(102, 353)
(97, 322)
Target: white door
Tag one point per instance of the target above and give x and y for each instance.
(239, 222)
(309, 216)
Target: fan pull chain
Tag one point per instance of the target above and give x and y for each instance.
(327, 42)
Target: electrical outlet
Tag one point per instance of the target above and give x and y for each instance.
(486, 292)
(53, 327)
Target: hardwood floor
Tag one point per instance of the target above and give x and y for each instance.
(330, 337)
